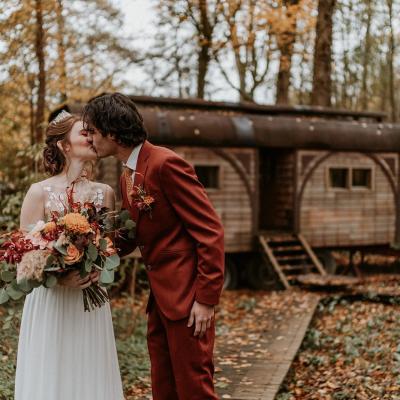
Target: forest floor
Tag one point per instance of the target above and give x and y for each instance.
(351, 349)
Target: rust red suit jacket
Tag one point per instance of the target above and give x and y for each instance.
(181, 241)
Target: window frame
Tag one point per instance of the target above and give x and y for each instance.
(328, 178)
(219, 174)
(363, 188)
(350, 169)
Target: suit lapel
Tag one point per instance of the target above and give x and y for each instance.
(140, 174)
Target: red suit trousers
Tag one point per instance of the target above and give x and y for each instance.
(182, 365)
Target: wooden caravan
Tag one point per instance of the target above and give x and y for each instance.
(286, 181)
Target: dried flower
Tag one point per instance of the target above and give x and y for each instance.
(142, 200)
(76, 223)
(15, 247)
(32, 265)
(50, 227)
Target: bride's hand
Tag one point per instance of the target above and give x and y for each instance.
(73, 280)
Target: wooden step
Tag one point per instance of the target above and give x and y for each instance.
(292, 277)
(271, 258)
(307, 267)
(292, 258)
(287, 250)
(281, 243)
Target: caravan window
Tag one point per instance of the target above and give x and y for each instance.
(361, 178)
(208, 175)
(339, 178)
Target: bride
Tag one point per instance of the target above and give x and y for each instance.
(65, 353)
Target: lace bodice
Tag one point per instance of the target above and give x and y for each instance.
(84, 190)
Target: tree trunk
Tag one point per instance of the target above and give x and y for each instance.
(40, 56)
(205, 40)
(322, 80)
(286, 42)
(61, 51)
(366, 58)
(391, 56)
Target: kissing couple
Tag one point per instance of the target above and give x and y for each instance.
(67, 354)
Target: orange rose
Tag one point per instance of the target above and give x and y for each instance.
(73, 255)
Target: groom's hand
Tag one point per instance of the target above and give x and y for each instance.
(201, 315)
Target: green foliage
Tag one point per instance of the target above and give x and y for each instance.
(18, 175)
(131, 344)
(10, 319)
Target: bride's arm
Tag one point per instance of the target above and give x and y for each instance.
(32, 209)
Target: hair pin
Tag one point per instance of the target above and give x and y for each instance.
(61, 116)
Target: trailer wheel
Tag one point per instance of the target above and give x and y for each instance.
(260, 275)
(328, 261)
(231, 277)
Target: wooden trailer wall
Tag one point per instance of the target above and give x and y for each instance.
(234, 198)
(233, 192)
(346, 198)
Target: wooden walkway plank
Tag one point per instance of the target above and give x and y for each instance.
(263, 379)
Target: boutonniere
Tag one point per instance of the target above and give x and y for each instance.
(142, 200)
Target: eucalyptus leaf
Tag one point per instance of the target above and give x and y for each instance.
(88, 265)
(103, 244)
(4, 297)
(35, 284)
(131, 234)
(112, 262)
(107, 276)
(92, 252)
(15, 294)
(25, 285)
(129, 224)
(8, 276)
(51, 281)
(124, 215)
(60, 249)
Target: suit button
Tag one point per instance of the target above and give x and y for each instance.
(148, 267)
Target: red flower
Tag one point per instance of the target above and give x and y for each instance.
(12, 250)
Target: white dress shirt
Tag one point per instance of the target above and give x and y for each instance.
(133, 158)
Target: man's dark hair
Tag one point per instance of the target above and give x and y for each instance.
(115, 115)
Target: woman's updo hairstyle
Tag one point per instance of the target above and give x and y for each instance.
(54, 159)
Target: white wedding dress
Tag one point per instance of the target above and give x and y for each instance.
(65, 353)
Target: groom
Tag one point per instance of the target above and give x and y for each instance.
(181, 241)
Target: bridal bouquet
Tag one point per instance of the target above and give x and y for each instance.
(79, 239)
